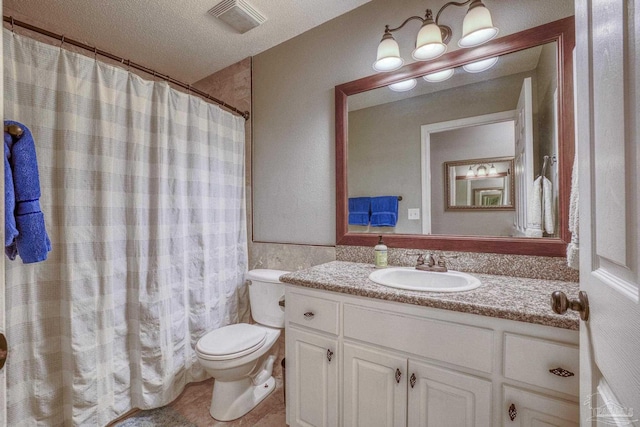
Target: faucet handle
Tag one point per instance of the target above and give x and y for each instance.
(431, 260)
(442, 259)
(420, 260)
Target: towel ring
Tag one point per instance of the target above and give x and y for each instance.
(14, 130)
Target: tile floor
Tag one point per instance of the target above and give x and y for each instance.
(193, 403)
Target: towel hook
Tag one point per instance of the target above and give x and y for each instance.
(546, 160)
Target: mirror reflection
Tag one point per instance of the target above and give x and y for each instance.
(479, 184)
(415, 144)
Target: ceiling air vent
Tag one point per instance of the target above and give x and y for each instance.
(238, 14)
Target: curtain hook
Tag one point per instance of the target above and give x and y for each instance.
(95, 53)
(189, 89)
(61, 41)
(12, 25)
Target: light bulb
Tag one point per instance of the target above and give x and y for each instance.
(480, 66)
(439, 76)
(477, 26)
(388, 57)
(470, 173)
(403, 86)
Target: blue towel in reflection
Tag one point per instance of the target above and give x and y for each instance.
(29, 238)
(384, 211)
(359, 210)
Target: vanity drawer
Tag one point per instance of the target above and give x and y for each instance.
(313, 312)
(529, 360)
(462, 345)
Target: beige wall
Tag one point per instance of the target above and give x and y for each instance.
(476, 142)
(293, 111)
(233, 85)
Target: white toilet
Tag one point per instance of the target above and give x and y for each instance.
(239, 356)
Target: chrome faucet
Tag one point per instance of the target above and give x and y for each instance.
(433, 263)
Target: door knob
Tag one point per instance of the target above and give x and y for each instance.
(560, 304)
(4, 350)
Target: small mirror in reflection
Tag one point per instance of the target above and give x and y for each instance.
(477, 184)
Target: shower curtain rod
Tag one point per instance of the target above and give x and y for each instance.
(96, 51)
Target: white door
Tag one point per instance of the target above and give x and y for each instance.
(442, 397)
(608, 75)
(375, 388)
(523, 163)
(312, 378)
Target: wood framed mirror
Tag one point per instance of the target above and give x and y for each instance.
(561, 33)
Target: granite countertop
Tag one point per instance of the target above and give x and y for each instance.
(513, 298)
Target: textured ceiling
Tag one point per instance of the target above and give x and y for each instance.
(175, 37)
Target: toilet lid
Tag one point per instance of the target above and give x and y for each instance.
(231, 341)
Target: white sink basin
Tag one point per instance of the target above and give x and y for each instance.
(417, 280)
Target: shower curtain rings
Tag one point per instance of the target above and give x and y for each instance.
(95, 53)
(61, 41)
(12, 26)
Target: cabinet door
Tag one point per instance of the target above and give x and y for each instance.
(441, 397)
(375, 388)
(527, 409)
(312, 379)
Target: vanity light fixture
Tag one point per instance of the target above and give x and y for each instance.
(481, 171)
(432, 39)
(439, 76)
(403, 86)
(480, 66)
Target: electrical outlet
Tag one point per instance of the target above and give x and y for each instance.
(414, 213)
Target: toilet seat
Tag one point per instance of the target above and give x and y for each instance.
(230, 342)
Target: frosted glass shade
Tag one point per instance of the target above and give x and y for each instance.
(388, 58)
(439, 76)
(480, 66)
(477, 27)
(482, 170)
(429, 43)
(470, 173)
(403, 85)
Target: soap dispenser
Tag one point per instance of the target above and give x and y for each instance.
(381, 254)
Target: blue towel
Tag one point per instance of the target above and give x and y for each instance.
(10, 230)
(31, 241)
(359, 210)
(384, 211)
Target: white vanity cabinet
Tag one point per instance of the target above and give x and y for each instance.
(397, 364)
(386, 389)
(312, 360)
(312, 375)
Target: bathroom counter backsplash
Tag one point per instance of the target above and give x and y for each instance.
(513, 298)
(533, 267)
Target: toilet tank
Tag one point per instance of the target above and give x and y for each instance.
(265, 293)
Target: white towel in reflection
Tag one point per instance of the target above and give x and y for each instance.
(548, 217)
(534, 210)
(573, 248)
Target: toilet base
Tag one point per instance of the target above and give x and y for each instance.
(233, 399)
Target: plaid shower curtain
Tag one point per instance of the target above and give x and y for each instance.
(144, 199)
